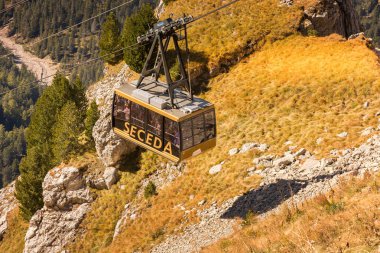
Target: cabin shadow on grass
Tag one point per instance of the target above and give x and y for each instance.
(131, 162)
(264, 199)
(268, 197)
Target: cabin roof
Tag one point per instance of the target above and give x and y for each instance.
(151, 95)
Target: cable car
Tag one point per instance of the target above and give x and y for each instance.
(164, 117)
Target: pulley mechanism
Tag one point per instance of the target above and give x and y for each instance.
(160, 36)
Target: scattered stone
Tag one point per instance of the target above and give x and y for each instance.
(191, 197)
(263, 147)
(233, 151)
(291, 148)
(300, 152)
(215, 169)
(287, 3)
(319, 141)
(366, 105)
(377, 114)
(343, 135)
(310, 164)
(248, 146)
(288, 143)
(202, 202)
(283, 161)
(367, 131)
(110, 176)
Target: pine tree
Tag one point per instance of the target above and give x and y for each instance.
(137, 24)
(110, 40)
(92, 115)
(63, 101)
(66, 132)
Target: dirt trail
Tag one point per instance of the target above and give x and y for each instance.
(45, 67)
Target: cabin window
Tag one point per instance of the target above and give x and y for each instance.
(198, 129)
(187, 134)
(210, 125)
(138, 115)
(172, 135)
(122, 108)
(155, 122)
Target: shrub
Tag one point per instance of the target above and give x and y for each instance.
(150, 190)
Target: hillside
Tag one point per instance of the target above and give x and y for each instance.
(297, 115)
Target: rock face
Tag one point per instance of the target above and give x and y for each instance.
(110, 148)
(66, 201)
(332, 16)
(8, 202)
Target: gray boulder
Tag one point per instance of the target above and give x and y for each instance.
(215, 169)
(111, 148)
(8, 203)
(66, 201)
(284, 161)
(111, 176)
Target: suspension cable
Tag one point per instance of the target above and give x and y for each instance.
(70, 27)
(125, 48)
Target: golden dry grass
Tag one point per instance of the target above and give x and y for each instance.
(13, 240)
(345, 220)
(223, 36)
(298, 89)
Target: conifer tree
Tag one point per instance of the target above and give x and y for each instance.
(92, 115)
(135, 25)
(110, 40)
(63, 101)
(66, 131)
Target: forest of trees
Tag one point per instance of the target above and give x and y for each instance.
(62, 118)
(58, 126)
(16, 108)
(41, 18)
(369, 11)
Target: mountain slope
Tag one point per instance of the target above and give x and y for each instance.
(306, 90)
(266, 99)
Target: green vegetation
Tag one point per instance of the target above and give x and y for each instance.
(15, 110)
(37, 19)
(369, 11)
(52, 137)
(150, 190)
(92, 115)
(109, 40)
(134, 26)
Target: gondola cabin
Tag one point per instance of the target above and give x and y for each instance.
(144, 116)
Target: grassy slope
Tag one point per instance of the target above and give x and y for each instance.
(298, 89)
(223, 37)
(345, 220)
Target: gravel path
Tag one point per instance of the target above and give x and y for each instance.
(44, 67)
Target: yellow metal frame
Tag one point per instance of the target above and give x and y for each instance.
(126, 136)
(203, 147)
(161, 112)
(183, 155)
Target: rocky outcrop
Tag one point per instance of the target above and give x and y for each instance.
(8, 202)
(331, 16)
(110, 148)
(66, 201)
(290, 183)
